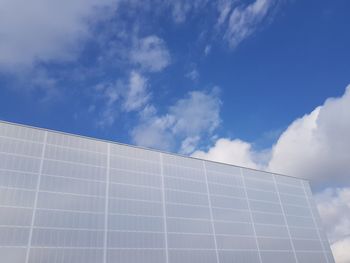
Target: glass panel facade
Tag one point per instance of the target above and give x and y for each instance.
(69, 199)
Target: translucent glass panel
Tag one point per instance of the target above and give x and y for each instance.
(52, 196)
(20, 159)
(65, 255)
(190, 235)
(135, 206)
(13, 131)
(69, 199)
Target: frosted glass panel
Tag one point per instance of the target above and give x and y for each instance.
(277, 256)
(239, 256)
(188, 256)
(187, 241)
(135, 240)
(136, 256)
(71, 199)
(179, 225)
(268, 243)
(232, 242)
(65, 255)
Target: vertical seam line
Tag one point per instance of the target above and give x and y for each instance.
(36, 198)
(314, 221)
(251, 215)
(211, 212)
(285, 219)
(105, 240)
(164, 209)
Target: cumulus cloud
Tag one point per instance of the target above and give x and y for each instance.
(229, 151)
(316, 146)
(189, 118)
(242, 21)
(44, 30)
(150, 53)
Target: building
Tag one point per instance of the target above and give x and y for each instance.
(71, 199)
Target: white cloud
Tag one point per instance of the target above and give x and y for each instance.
(44, 30)
(150, 53)
(334, 208)
(341, 250)
(317, 145)
(127, 96)
(229, 151)
(136, 95)
(154, 132)
(55, 31)
(243, 20)
(314, 147)
(191, 117)
(198, 112)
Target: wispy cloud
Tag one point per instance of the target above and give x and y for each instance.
(136, 95)
(121, 96)
(180, 9)
(150, 54)
(109, 94)
(93, 38)
(207, 50)
(192, 73)
(186, 121)
(239, 22)
(224, 8)
(64, 26)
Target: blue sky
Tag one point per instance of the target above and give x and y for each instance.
(295, 57)
(258, 83)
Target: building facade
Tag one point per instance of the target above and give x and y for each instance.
(71, 199)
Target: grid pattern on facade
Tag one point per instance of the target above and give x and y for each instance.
(69, 199)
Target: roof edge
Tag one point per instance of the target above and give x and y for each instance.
(145, 148)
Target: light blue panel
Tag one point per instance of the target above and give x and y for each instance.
(71, 199)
